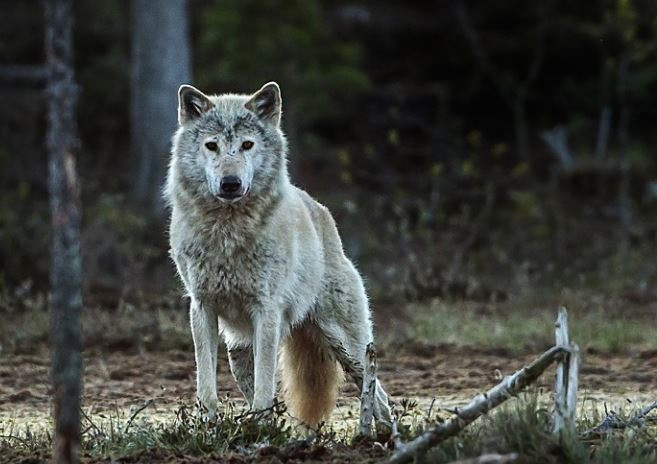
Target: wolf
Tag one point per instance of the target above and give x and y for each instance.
(261, 261)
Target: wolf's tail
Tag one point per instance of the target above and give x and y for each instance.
(310, 375)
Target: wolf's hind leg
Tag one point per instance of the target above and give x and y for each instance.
(240, 359)
(349, 343)
(206, 342)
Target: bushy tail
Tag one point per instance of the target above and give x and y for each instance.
(310, 375)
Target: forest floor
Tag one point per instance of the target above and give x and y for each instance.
(121, 377)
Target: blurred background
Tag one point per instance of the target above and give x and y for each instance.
(469, 151)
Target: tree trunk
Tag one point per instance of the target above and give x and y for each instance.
(624, 198)
(66, 298)
(521, 129)
(160, 64)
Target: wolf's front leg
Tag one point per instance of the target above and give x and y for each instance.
(266, 339)
(206, 341)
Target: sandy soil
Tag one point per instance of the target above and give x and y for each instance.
(118, 381)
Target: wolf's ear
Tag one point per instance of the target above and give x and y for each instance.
(266, 103)
(192, 103)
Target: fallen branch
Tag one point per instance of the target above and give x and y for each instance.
(481, 404)
(368, 392)
(613, 421)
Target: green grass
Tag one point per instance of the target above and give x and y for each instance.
(524, 427)
(127, 327)
(521, 426)
(530, 328)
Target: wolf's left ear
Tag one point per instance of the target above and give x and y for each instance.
(192, 103)
(266, 103)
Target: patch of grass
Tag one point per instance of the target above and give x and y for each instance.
(126, 328)
(524, 427)
(189, 433)
(521, 426)
(530, 328)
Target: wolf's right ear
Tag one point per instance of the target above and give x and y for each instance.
(266, 103)
(192, 103)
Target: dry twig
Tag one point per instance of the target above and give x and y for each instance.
(613, 421)
(368, 392)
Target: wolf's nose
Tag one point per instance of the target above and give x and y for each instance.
(230, 184)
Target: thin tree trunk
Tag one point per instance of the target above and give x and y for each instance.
(66, 298)
(624, 200)
(602, 140)
(160, 64)
(520, 128)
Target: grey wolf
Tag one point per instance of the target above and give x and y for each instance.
(261, 261)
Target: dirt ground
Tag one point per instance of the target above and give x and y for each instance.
(118, 381)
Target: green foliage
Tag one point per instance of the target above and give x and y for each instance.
(243, 44)
(520, 326)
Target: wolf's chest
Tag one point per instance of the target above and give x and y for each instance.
(227, 279)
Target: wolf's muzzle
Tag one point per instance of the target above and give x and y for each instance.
(230, 187)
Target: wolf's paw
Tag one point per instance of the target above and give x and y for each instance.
(206, 410)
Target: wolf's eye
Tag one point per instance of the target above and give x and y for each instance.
(212, 146)
(247, 145)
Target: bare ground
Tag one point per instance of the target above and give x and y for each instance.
(116, 381)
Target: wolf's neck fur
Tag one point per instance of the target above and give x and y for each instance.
(238, 223)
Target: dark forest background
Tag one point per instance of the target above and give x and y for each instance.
(465, 148)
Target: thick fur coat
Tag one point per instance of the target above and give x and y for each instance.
(261, 261)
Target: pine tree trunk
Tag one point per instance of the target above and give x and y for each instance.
(66, 298)
(160, 64)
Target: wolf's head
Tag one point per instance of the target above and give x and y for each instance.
(229, 149)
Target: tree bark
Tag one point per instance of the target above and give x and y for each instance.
(160, 64)
(66, 297)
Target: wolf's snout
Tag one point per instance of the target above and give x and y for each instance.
(230, 185)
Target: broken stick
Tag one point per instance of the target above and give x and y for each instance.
(565, 388)
(368, 392)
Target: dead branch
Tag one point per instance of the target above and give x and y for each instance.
(368, 392)
(560, 385)
(573, 384)
(566, 383)
(481, 404)
(613, 421)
